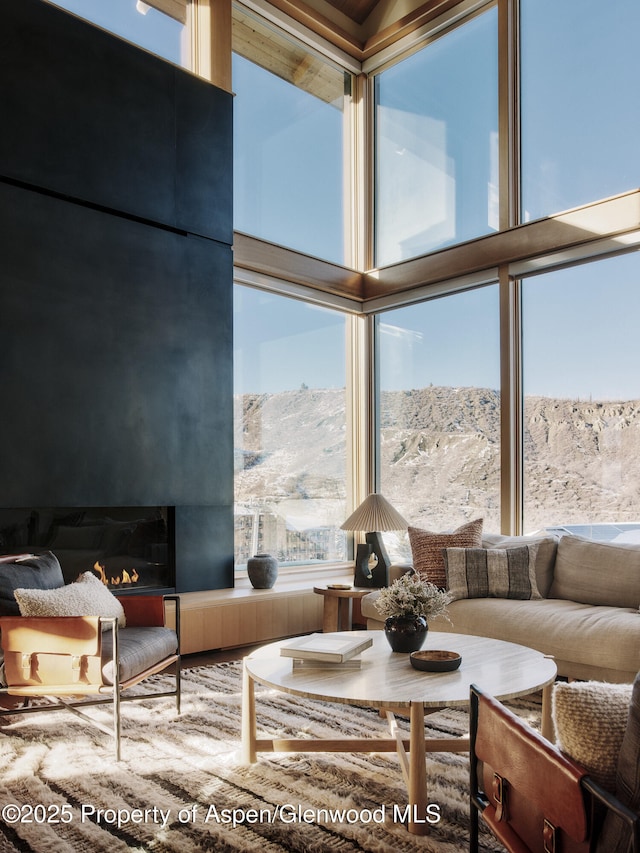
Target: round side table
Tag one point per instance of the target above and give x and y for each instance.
(338, 606)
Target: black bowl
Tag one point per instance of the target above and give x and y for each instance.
(434, 660)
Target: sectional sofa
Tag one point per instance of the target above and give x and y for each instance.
(586, 617)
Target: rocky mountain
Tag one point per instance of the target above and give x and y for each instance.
(440, 456)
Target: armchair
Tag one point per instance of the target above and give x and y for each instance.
(530, 795)
(76, 662)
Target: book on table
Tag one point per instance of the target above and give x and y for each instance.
(328, 648)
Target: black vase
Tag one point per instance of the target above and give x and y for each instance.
(406, 633)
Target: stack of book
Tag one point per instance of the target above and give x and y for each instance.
(327, 650)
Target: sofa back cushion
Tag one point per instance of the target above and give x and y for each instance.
(597, 573)
(545, 556)
(35, 571)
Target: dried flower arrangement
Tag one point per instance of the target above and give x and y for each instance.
(410, 595)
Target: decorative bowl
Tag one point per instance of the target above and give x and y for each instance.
(435, 660)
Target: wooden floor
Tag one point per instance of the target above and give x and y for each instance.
(209, 658)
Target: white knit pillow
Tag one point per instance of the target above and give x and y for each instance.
(590, 719)
(87, 596)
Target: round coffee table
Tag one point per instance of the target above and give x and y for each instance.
(386, 680)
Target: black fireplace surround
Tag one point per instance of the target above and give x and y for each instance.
(116, 301)
(131, 549)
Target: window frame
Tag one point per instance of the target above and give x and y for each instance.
(597, 229)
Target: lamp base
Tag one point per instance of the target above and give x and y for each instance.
(366, 575)
(363, 575)
(381, 571)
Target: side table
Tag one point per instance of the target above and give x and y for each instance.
(338, 608)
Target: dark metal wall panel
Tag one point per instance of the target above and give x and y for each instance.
(115, 362)
(204, 540)
(88, 115)
(204, 158)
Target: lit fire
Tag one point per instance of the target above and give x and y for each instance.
(125, 576)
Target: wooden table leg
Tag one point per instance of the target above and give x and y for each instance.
(417, 771)
(345, 609)
(331, 614)
(248, 751)
(547, 727)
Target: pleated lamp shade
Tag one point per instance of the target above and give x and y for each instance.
(375, 514)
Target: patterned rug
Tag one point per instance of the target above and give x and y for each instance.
(180, 786)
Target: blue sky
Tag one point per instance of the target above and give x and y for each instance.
(154, 31)
(580, 337)
(575, 345)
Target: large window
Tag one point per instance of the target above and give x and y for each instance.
(289, 142)
(290, 429)
(582, 395)
(439, 411)
(580, 76)
(437, 144)
(140, 23)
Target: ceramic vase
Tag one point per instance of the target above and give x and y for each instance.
(406, 633)
(262, 570)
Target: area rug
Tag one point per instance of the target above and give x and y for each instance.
(181, 787)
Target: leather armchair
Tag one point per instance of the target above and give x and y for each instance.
(530, 795)
(76, 662)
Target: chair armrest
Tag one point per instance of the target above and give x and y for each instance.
(51, 653)
(151, 611)
(613, 805)
(73, 635)
(143, 611)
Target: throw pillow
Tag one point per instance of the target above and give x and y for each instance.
(615, 833)
(36, 571)
(590, 719)
(87, 596)
(427, 548)
(492, 572)
(545, 559)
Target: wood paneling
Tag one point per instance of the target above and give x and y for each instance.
(242, 617)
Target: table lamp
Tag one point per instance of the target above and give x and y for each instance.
(372, 562)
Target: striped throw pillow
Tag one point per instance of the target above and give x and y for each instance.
(492, 572)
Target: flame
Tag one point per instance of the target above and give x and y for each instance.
(125, 577)
(99, 568)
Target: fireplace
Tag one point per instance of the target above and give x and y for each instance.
(131, 549)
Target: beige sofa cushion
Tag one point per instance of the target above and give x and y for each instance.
(585, 641)
(597, 573)
(545, 557)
